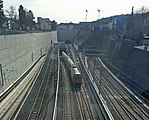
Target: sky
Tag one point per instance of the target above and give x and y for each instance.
(75, 10)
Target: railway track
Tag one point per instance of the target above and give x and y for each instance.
(11, 103)
(67, 105)
(68, 101)
(40, 102)
(84, 105)
(122, 104)
(75, 102)
(97, 107)
(36, 104)
(128, 104)
(8, 111)
(122, 108)
(94, 107)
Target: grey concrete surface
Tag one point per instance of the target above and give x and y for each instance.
(18, 52)
(68, 34)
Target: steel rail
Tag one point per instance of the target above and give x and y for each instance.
(105, 111)
(129, 101)
(57, 87)
(66, 94)
(4, 94)
(83, 67)
(37, 105)
(117, 98)
(9, 113)
(127, 92)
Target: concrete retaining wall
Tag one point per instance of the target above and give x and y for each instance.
(68, 34)
(18, 52)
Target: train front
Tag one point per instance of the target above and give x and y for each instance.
(77, 78)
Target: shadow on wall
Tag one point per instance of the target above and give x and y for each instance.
(64, 35)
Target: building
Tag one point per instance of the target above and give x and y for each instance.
(44, 23)
(64, 26)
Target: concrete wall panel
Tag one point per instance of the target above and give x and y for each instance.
(18, 52)
(68, 34)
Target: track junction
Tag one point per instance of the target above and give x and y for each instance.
(45, 91)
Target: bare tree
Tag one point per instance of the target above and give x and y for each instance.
(11, 12)
(12, 17)
(142, 10)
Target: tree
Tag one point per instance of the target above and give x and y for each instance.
(22, 18)
(135, 26)
(29, 19)
(2, 16)
(12, 17)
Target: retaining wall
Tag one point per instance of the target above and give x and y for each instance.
(18, 52)
(68, 34)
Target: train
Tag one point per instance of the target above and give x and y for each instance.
(75, 74)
